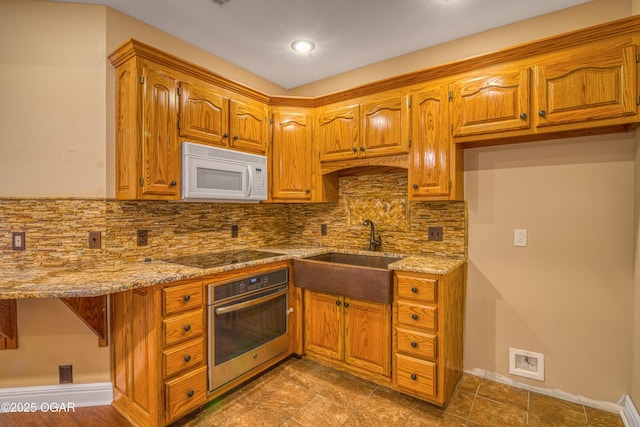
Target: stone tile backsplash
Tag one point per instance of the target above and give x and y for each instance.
(57, 230)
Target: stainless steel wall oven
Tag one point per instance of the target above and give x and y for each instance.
(247, 324)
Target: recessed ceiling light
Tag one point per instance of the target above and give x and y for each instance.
(303, 46)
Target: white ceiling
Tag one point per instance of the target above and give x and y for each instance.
(256, 34)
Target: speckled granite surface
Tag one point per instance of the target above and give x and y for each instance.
(112, 277)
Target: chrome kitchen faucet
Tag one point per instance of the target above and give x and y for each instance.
(373, 243)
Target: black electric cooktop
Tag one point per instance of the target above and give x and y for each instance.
(217, 259)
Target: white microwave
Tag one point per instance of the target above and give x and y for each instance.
(221, 175)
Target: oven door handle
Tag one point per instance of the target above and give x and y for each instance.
(251, 303)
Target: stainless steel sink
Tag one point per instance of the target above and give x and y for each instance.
(364, 277)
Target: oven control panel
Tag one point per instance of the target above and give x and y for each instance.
(248, 284)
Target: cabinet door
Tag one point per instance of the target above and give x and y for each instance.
(492, 100)
(292, 156)
(385, 127)
(431, 144)
(588, 85)
(323, 324)
(160, 150)
(248, 128)
(204, 114)
(367, 335)
(338, 133)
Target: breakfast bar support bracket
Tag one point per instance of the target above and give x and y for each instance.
(8, 324)
(93, 312)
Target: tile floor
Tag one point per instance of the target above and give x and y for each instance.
(302, 392)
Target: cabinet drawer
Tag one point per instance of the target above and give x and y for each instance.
(186, 393)
(182, 327)
(416, 344)
(417, 316)
(417, 288)
(181, 298)
(183, 357)
(416, 375)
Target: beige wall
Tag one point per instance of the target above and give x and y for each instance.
(52, 76)
(568, 293)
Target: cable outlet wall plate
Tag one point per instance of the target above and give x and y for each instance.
(528, 364)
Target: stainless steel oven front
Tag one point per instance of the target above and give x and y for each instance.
(247, 324)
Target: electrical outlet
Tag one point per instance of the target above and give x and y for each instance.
(435, 234)
(143, 236)
(65, 373)
(323, 229)
(95, 240)
(234, 231)
(520, 237)
(17, 240)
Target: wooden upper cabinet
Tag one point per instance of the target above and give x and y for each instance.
(385, 126)
(211, 116)
(204, 114)
(592, 85)
(159, 166)
(492, 100)
(338, 132)
(248, 127)
(432, 152)
(292, 155)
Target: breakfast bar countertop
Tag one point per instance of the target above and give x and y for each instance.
(117, 276)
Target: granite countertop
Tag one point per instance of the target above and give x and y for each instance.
(112, 277)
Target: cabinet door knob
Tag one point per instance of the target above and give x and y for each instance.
(361, 148)
(346, 305)
(173, 183)
(187, 328)
(414, 290)
(354, 149)
(235, 137)
(415, 186)
(414, 316)
(187, 358)
(187, 298)
(308, 190)
(190, 393)
(542, 113)
(414, 344)
(337, 302)
(226, 135)
(523, 116)
(414, 377)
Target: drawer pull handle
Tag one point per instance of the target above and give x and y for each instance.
(414, 290)
(187, 328)
(414, 377)
(190, 393)
(414, 344)
(187, 358)
(187, 298)
(414, 316)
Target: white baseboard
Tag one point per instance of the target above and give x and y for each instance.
(629, 412)
(94, 394)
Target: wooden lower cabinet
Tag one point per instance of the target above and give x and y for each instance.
(428, 325)
(159, 347)
(352, 333)
(158, 352)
